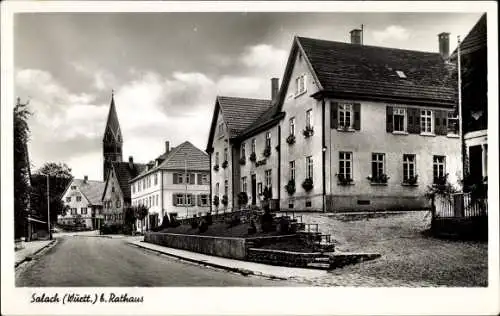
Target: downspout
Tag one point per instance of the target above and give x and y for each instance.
(230, 147)
(210, 186)
(161, 195)
(323, 151)
(279, 166)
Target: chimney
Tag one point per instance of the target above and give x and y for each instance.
(275, 87)
(131, 162)
(444, 44)
(85, 179)
(356, 36)
(167, 147)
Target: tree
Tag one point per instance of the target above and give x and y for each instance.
(59, 178)
(141, 211)
(130, 217)
(21, 168)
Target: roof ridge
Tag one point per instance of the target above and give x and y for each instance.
(245, 98)
(371, 46)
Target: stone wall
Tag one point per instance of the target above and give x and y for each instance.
(281, 257)
(217, 246)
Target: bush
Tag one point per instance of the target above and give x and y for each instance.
(290, 139)
(209, 219)
(253, 157)
(267, 151)
(224, 200)
(267, 222)
(165, 223)
(216, 200)
(308, 184)
(194, 222)
(224, 164)
(242, 198)
(290, 187)
(203, 226)
(234, 221)
(243, 161)
(284, 225)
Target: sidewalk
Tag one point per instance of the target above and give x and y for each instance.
(242, 267)
(30, 249)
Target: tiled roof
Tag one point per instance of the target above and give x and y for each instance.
(476, 38)
(370, 70)
(91, 189)
(112, 122)
(124, 174)
(240, 113)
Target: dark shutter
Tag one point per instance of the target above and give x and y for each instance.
(199, 178)
(388, 123)
(192, 200)
(198, 200)
(333, 117)
(413, 121)
(174, 198)
(357, 116)
(175, 180)
(192, 178)
(440, 122)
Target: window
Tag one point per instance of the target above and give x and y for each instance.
(226, 187)
(204, 178)
(399, 120)
(138, 186)
(118, 204)
(439, 168)
(78, 198)
(253, 146)
(309, 167)
(179, 199)
(309, 122)
(453, 124)
(259, 188)
(157, 200)
(203, 200)
(378, 168)
(156, 179)
(268, 139)
(244, 184)
(68, 199)
(133, 188)
(221, 129)
(225, 154)
(345, 115)
(217, 188)
(73, 187)
(217, 158)
(308, 203)
(345, 165)
(150, 204)
(409, 167)
(243, 154)
(292, 126)
(300, 84)
(73, 211)
(268, 178)
(426, 125)
(84, 210)
(292, 169)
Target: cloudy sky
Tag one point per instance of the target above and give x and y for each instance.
(167, 68)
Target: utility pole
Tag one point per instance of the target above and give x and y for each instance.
(460, 125)
(186, 181)
(48, 207)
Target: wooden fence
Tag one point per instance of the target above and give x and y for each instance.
(459, 205)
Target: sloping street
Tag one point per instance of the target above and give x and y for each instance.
(96, 262)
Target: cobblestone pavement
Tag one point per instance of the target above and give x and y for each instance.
(359, 280)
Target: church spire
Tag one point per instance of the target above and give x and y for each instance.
(112, 140)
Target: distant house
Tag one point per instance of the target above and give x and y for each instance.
(474, 71)
(116, 194)
(353, 127)
(82, 198)
(175, 182)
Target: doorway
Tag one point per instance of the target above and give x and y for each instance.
(254, 190)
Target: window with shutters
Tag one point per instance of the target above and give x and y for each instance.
(292, 170)
(409, 168)
(179, 199)
(345, 165)
(300, 85)
(84, 210)
(309, 119)
(244, 184)
(73, 211)
(309, 167)
(345, 116)
(399, 120)
(204, 178)
(268, 178)
(203, 198)
(439, 169)
(78, 198)
(268, 139)
(453, 124)
(426, 126)
(292, 126)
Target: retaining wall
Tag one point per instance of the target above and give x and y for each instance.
(281, 257)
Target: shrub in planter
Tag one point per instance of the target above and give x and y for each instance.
(344, 180)
(308, 131)
(224, 164)
(224, 200)
(253, 157)
(216, 167)
(242, 198)
(290, 139)
(267, 193)
(412, 180)
(243, 161)
(381, 178)
(216, 200)
(308, 184)
(290, 187)
(267, 151)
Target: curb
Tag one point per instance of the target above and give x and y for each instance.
(244, 272)
(52, 243)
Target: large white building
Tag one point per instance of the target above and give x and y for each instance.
(176, 182)
(353, 127)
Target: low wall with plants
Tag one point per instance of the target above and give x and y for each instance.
(217, 246)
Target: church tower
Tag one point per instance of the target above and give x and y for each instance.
(112, 141)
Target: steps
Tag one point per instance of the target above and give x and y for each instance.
(322, 262)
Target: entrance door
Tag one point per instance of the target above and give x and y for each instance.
(254, 190)
(476, 162)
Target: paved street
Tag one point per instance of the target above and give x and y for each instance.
(97, 261)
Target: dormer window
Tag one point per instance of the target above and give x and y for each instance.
(401, 74)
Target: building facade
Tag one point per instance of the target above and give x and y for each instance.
(82, 198)
(347, 136)
(177, 182)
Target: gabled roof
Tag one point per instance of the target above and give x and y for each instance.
(369, 72)
(124, 173)
(476, 39)
(186, 155)
(112, 123)
(238, 114)
(92, 190)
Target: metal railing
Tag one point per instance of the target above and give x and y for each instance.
(459, 205)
